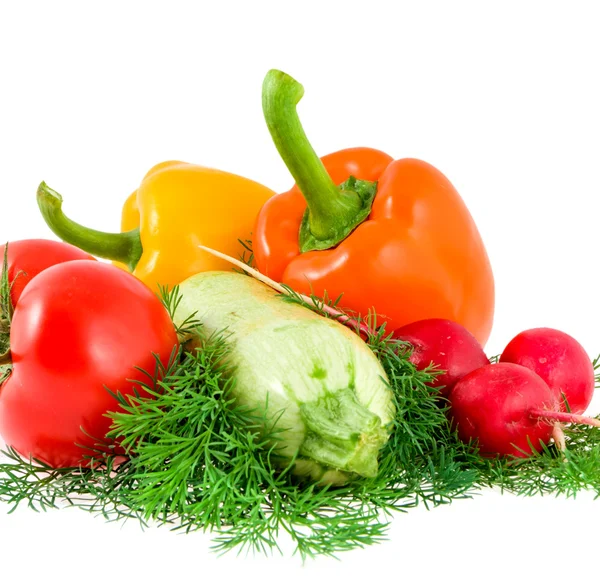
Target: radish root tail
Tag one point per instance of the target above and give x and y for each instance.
(559, 437)
(566, 417)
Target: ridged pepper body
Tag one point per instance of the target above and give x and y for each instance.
(418, 255)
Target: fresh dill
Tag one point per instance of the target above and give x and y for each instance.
(197, 461)
(247, 254)
(171, 298)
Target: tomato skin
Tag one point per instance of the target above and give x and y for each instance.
(27, 258)
(78, 327)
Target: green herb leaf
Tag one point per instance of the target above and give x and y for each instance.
(197, 461)
(171, 298)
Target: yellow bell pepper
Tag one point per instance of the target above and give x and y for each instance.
(177, 207)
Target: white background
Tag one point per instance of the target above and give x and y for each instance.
(503, 97)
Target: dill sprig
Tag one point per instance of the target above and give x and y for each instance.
(197, 461)
(549, 472)
(200, 462)
(246, 255)
(171, 298)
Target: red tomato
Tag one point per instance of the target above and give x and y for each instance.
(27, 258)
(78, 327)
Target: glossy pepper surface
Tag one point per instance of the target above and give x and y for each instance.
(177, 207)
(388, 235)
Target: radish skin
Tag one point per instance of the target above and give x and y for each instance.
(560, 360)
(446, 344)
(493, 405)
(509, 410)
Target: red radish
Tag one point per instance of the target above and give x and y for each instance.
(559, 360)
(508, 409)
(446, 344)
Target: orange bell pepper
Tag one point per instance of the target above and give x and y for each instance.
(395, 238)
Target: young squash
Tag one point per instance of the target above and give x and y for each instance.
(320, 383)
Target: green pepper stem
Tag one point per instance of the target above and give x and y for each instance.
(332, 212)
(124, 247)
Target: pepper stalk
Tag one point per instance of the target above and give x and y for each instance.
(333, 211)
(124, 247)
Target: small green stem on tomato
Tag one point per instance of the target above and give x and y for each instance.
(125, 247)
(333, 212)
(6, 305)
(6, 313)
